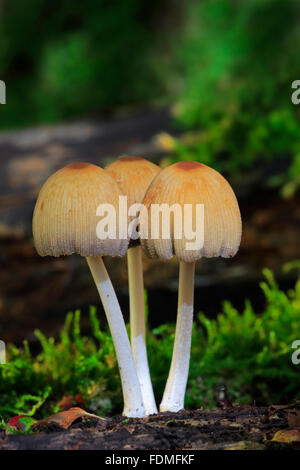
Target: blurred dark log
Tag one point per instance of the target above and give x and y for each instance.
(37, 292)
(231, 428)
(28, 157)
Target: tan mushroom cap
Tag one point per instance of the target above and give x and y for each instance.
(65, 220)
(195, 183)
(133, 175)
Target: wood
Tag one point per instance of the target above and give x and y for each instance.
(37, 292)
(235, 428)
(29, 156)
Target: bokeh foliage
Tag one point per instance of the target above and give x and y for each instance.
(67, 58)
(250, 353)
(239, 59)
(225, 66)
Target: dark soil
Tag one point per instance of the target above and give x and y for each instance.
(234, 428)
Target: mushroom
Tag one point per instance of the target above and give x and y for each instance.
(134, 175)
(65, 222)
(189, 183)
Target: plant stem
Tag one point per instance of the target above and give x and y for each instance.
(133, 402)
(138, 328)
(173, 398)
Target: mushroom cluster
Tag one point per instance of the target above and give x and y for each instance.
(65, 221)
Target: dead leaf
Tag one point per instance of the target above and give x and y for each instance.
(294, 418)
(264, 419)
(69, 401)
(64, 419)
(244, 445)
(20, 422)
(280, 407)
(287, 435)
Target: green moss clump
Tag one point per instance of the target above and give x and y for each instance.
(250, 353)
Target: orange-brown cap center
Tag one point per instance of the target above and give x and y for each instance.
(187, 166)
(78, 166)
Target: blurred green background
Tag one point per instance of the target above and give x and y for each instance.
(224, 66)
(64, 59)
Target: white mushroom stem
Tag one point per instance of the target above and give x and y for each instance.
(173, 398)
(133, 401)
(138, 328)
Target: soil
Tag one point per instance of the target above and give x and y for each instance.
(234, 428)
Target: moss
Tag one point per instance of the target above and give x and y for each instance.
(249, 354)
